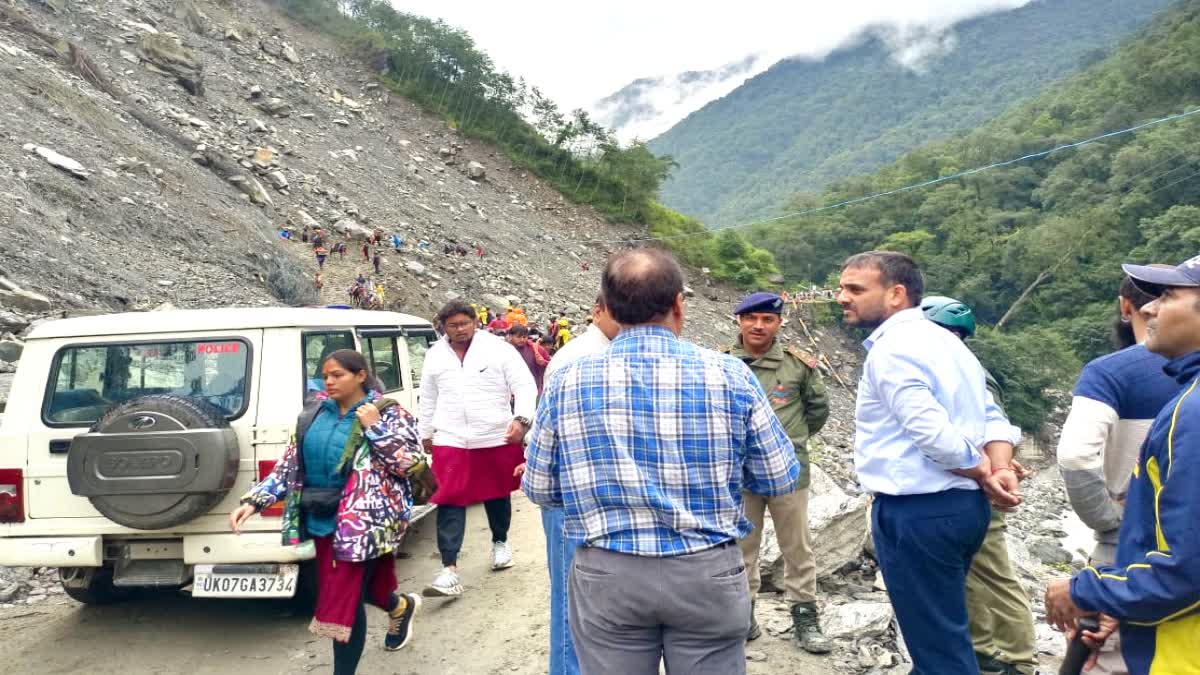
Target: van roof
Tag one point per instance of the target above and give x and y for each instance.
(226, 318)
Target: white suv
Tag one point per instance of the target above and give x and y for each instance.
(128, 439)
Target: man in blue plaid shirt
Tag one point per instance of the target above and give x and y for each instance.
(647, 447)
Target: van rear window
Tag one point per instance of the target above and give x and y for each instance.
(88, 380)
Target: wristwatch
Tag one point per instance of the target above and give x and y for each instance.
(523, 420)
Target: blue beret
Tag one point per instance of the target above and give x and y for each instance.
(760, 302)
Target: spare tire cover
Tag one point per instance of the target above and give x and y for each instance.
(155, 462)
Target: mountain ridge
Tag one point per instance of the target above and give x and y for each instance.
(743, 156)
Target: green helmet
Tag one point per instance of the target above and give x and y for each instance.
(949, 313)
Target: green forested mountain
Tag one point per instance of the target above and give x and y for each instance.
(1036, 246)
(801, 124)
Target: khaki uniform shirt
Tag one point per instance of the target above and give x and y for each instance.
(789, 377)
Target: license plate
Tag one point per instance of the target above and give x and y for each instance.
(244, 581)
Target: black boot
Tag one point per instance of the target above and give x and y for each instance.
(807, 628)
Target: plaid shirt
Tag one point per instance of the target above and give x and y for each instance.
(648, 446)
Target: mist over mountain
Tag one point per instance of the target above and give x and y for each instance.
(804, 122)
(649, 106)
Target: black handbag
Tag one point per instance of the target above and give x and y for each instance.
(320, 502)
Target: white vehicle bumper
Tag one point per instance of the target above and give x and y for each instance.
(52, 551)
(248, 547)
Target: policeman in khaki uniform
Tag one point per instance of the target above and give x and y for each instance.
(796, 392)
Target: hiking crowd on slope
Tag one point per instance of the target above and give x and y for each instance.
(655, 460)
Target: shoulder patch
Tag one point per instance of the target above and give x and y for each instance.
(805, 357)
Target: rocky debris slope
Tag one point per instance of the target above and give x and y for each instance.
(169, 142)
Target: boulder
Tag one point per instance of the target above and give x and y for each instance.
(250, 186)
(837, 526)
(162, 54)
(305, 220)
(289, 54)
(688, 292)
(777, 279)
(476, 171)
(414, 267)
(274, 106)
(24, 301)
(278, 180)
(257, 125)
(352, 228)
(857, 620)
(10, 349)
(271, 46)
(1049, 551)
(12, 323)
(264, 157)
(58, 161)
(495, 302)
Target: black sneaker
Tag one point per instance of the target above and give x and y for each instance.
(400, 622)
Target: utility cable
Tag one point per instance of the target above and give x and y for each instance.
(923, 184)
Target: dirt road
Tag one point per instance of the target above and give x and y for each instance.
(498, 626)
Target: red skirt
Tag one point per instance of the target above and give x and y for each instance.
(341, 587)
(467, 477)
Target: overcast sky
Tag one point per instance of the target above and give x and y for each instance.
(580, 52)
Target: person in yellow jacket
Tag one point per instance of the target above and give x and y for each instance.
(482, 314)
(563, 335)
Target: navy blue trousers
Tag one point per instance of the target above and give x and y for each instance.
(924, 544)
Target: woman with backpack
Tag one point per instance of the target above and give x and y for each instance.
(344, 484)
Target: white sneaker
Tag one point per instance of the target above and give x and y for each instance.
(501, 555)
(446, 585)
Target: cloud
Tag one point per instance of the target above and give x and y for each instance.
(580, 53)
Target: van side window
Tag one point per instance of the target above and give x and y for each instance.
(88, 380)
(316, 346)
(381, 355)
(418, 345)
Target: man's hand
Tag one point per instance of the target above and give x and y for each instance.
(519, 471)
(516, 432)
(1061, 611)
(1022, 472)
(1095, 639)
(1003, 488)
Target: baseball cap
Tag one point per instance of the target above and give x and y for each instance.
(1185, 274)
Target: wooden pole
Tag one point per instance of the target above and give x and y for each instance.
(820, 354)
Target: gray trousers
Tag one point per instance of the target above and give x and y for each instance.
(629, 612)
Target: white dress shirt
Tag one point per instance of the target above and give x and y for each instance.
(923, 409)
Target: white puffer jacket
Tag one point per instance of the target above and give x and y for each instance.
(467, 405)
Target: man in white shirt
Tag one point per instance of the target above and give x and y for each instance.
(477, 398)
(560, 551)
(923, 417)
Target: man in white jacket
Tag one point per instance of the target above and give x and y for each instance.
(477, 398)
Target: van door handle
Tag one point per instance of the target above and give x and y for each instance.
(59, 447)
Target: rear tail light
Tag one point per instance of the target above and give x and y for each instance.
(265, 467)
(12, 506)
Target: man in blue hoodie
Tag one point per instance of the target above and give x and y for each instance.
(1153, 591)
